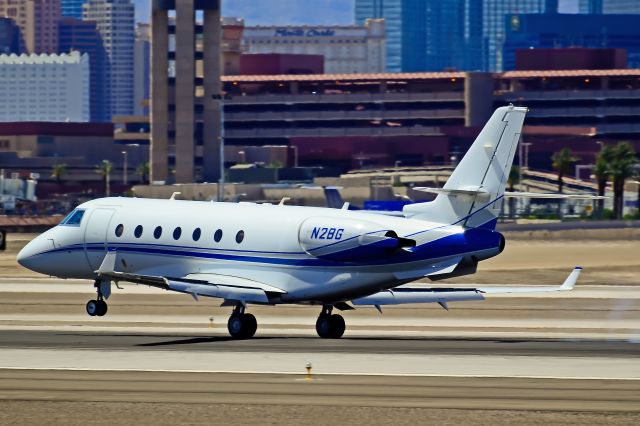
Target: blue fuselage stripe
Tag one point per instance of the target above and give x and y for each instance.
(470, 241)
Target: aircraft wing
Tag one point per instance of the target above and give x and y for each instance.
(402, 295)
(230, 288)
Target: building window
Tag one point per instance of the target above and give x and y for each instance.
(177, 232)
(217, 236)
(239, 237)
(138, 231)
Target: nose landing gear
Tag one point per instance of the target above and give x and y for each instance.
(99, 307)
(330, 326)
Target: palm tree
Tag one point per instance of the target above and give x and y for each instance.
(104, 169)
(621, 168)
(602, 173)
(58, 170)
(143, 171)
(562, 162)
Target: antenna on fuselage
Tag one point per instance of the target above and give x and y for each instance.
(284, 199)
(173, 196)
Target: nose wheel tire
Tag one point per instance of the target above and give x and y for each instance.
(330, 326)
(96, 308)
(242, 326)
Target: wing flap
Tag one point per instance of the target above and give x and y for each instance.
(402, 296)
(239, 294)
(230, 288)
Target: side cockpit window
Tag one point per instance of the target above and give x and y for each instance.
(74, 218)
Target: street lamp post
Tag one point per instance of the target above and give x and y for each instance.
(526, 146)
(107, 177)
(124, 169)
(295, 155)
(221, 97)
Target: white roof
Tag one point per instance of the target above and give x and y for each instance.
(43, 58)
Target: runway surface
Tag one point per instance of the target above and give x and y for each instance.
(569, 358)
(53, 397)
(281, 343)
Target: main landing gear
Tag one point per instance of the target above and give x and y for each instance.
(330, 326)
(98, 307)
(241, 325)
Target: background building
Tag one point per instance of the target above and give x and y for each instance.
(494, 13)
(82, 36)
(185, 118)
(72, 8)
(392, 13)
(44, 87)
(9, 37)
(442, 35)
(574, 58)
(36, 147)
(142, 70)
(115, 24)
(232, 30)
(609, 6)
(434, 35)
(527, 31)
(346, 49)
(38, 22)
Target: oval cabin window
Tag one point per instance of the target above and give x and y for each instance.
(177, 232)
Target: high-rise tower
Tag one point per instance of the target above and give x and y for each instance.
(115, 23)
(185, 117)
(38, 22)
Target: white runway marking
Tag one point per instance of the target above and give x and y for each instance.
(325, 363)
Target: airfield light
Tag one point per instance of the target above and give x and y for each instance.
(308, 367)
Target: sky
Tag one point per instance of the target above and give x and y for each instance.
(277, 12)
(296, 12)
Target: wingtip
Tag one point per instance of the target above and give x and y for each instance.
(571, 280)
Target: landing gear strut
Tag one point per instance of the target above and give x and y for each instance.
(241, 325)
(97, 307)
(330, 326)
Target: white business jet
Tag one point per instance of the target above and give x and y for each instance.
(245, 253)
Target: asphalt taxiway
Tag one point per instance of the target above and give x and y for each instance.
(569, 358)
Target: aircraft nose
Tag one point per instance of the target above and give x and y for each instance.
(27, 257)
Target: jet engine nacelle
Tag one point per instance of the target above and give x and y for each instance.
(346, 240)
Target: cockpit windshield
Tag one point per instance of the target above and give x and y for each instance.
(74, 218)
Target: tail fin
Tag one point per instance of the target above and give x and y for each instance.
(472, 195)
